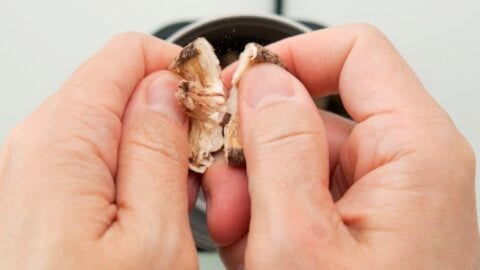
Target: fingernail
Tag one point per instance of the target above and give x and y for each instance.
(266, 84)
(161, 97)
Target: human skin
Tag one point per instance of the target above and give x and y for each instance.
(96, 177)
(391, 189)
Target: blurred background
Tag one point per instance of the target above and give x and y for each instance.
(42, 43)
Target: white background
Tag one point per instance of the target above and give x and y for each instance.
(42, 42)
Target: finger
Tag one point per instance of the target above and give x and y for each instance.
(111, 76)
(152, 189)
(337, 130)
(280, 123)
(228, 202)
(374, 83)
(286, 151)
(233, 257)
(87, 111)
(228, 186)
(193, 187)
(360, 62)
(227, 74)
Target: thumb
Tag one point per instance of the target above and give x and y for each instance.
(152, 189)
(286, 150)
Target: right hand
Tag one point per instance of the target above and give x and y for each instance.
(392, 189)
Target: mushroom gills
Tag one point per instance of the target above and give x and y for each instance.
(202, 95)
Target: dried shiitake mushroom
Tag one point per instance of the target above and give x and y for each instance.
(202, 94)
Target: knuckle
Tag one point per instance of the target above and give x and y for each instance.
(367, 32)
(153, 152)
(99, 125)
(368, 29)
(283, 137)
(126, 37)
(15, 134)
(155, 141)
(466, 153)
(35, 123)
(289, 129)
(99, 120)
(450, 143)
(20, 133)
(62, 122)
(131, 41)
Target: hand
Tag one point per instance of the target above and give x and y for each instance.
(392, 189)
(96, 177)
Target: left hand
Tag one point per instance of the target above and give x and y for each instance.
(96, 177)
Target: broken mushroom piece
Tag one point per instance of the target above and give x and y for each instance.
(203, 97)
(253, 54)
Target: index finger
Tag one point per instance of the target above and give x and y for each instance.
(94, 99)
(357, 61)
(71, 141)
(83, 121)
